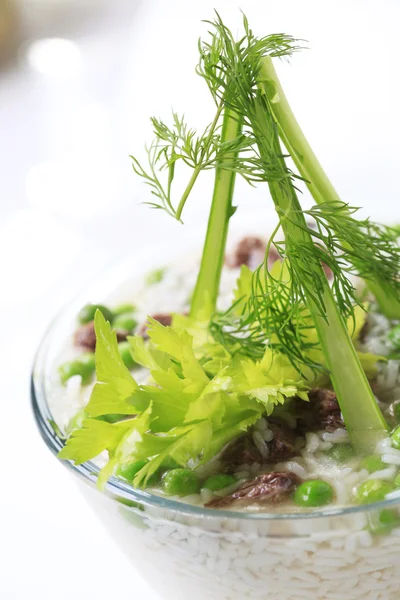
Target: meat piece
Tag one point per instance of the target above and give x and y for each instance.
(163, 318)
(85, 336)
(270, 488)
(242, 451)
(250, 251)
(321, 412)
(282, 445)
(326, 408)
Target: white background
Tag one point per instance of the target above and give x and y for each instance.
(71, 112)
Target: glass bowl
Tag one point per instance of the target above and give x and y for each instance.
(186, 551)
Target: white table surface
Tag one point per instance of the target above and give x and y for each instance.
(70, 115)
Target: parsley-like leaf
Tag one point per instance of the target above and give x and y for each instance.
(116, 391)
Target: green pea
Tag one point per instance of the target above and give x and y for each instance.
(87, 312)
(125, 352)
(122, 309)
(383, 522)
(372, 464)
(76, 422)
(396, 482)
(83, 366)
(219, 482)
(313, 493)
(180, 482)
(126, 322)
(155, 276)
(374, 490)
(394, 336)
(396, 438)
(130, 470)
(341, 452)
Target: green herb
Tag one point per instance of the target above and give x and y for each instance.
(217, 148)
(213, 376)
(187, 417)
(386, 292)
(284, 307)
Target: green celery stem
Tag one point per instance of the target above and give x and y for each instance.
(361, 413)
(294, 139)
(309, 167)
(360, 410)
(205, 294)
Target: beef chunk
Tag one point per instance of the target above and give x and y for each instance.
(242, 451)
(163, 318)
(270, 488)
(322, 412)
(326, 409)
(85, 336)
(282, 445)
(250, 251)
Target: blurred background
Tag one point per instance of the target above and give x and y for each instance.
(78, 81)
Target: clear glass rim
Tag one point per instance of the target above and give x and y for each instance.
(118, 489)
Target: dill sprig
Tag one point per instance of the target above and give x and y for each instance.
(314, 175)
(279, 311)
(207, 150)
(295, 310)
(174, 143)
(366, 249)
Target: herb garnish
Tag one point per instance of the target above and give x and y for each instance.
(213, 376)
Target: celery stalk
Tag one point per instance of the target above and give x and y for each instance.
(309, 167)
(361, 413)
(206, 290)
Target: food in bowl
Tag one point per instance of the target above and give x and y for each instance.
(273, 401)
(297, 457)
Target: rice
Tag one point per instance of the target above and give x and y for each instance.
(187, 556)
